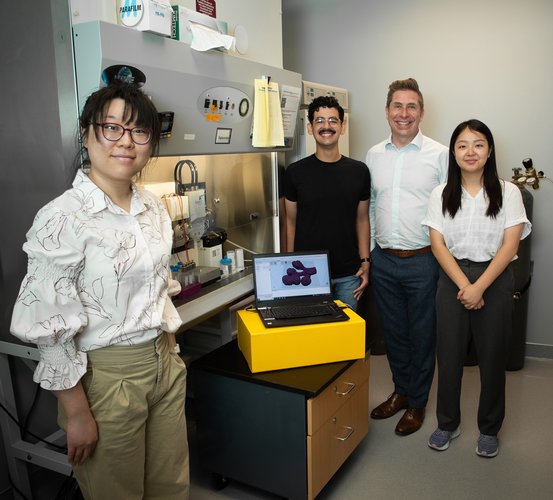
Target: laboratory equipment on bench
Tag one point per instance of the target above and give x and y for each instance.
(194, 191)
(208, 246)
(188, 276)
(210, 251)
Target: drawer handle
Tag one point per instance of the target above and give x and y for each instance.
(350, 387)
(346, 437)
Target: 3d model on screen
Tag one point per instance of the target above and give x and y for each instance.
(298, 274)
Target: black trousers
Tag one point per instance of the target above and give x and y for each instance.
(490, 329)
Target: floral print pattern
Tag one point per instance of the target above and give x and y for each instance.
(96, 276)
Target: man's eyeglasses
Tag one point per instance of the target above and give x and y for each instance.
(114, 132)
(331, 121)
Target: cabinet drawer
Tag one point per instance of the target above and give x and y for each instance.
(321, 408)
(333, 442)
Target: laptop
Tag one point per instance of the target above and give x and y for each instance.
(294, 289)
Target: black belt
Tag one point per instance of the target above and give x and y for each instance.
(407, 253)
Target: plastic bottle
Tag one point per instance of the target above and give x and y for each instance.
(232, 256)
(225, 264)
(175, 270)
(239, 259)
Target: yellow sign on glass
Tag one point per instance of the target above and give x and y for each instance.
(268, 130)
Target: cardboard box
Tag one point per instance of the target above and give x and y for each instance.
(182, 17)
(268, 349)
(154, 16)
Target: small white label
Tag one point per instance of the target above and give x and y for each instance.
(189, 137)
(222, 135)
(131, 12)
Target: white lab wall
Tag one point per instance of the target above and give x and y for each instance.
(488, 60)
(262, 22)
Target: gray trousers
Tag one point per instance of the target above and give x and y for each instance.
(489, 328)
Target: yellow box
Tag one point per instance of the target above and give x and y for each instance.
(268, 349)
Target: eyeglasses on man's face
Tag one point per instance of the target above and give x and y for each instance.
(114, 132)
(332, 121)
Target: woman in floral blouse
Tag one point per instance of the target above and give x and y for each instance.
(96, 301)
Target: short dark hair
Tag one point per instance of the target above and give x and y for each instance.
(138, 109)
(408, 84)
(324, 101)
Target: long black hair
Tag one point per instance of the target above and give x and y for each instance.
(451, 196)
(138, 109)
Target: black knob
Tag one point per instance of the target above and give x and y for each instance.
(528, 163)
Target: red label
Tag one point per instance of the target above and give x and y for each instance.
(207, 7)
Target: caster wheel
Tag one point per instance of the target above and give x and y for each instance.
(219, 481)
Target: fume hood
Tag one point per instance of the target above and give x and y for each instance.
(210, 94)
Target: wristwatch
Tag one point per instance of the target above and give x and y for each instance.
(366, 259)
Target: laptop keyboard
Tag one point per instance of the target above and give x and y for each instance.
(287, 312)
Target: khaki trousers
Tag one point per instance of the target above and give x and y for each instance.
(137, 396)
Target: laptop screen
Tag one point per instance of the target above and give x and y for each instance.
(291, 275)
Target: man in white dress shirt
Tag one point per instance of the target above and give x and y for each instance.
(404, 169)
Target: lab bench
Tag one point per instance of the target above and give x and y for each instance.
(210, 316)
(285, 431)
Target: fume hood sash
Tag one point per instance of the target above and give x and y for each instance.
(211, 93)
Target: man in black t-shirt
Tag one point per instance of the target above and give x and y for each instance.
(327, 203)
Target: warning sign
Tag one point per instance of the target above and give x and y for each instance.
(206, 7)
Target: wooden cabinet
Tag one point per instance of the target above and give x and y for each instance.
(337, 421)
(285, 431)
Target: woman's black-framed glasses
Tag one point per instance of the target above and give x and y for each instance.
(114, 132)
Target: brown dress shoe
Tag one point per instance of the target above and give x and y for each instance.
(410, 422)
(390, 407)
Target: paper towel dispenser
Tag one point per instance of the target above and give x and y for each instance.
(210, 93)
